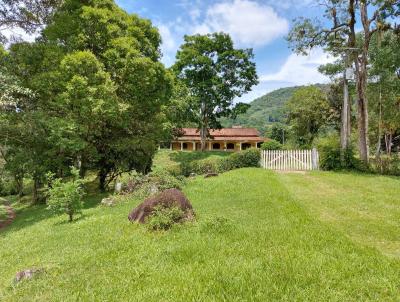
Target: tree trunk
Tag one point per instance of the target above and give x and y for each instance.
(379, 143)
(344, 132)
(102, 180)
(19, 183)
(71, 216)
(204, 126)
(36, 185)
(362, 73)
(362, 106)
(390, 144)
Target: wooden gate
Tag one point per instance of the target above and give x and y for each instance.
(290, 160)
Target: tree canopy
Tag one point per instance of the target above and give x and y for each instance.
(215, 74)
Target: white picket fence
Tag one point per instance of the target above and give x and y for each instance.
(290, 160)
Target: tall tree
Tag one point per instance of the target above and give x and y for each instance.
(343, 15)
(99, 86)
(215, 73)
(384, 57)
(308, 112)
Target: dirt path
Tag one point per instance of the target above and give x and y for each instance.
(10, 219)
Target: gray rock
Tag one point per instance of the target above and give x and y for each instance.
(109, 202)
(118, 187)
(27, 274)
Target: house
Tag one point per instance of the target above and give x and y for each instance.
(227, 139)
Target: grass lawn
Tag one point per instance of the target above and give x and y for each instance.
(259, 236)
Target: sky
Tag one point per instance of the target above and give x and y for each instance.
(258, 24)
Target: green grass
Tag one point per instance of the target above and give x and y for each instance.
(259, 236)
(365, 207)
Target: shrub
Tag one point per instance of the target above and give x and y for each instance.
(65, 197)
(272, 145)
(386, 165)
(247, 158)
(7, 186)
(163, 218)
(145, 185)
(330, 155)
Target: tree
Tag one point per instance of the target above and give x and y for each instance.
(100, 88)
(308, 111)
(28, 15)
(215, 74)
(65, 197)
(384, 57)
(341, 37)
(279, 132)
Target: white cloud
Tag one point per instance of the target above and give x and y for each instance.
(301, 70)
(168, 41)
(248, 22)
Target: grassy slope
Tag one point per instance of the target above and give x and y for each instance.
(270, 249)
(365, 207)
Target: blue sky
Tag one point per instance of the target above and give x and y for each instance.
(258, 24)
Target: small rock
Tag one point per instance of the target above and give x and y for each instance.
(109, 202)
(210, 175)
(27, 274)
(153, 190)
(118, 187)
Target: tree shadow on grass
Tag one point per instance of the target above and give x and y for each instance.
(78, 218)
(185, 157)
(28, 215)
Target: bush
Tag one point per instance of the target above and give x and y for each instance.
(7, 186)
(65, 197)
(163, 218)
(330, 156)
(272, 145)
(247, 158)
(145, 185)
(386, 165)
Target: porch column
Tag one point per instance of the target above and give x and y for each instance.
(240, 146)
(225, 147)
(170, 146)
(194, 146)
(181, 146)
(209, 146)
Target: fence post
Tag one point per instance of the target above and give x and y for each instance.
(314, 159)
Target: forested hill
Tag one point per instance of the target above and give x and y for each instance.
(264, 111)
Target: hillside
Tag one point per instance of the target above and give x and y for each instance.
(265, 110)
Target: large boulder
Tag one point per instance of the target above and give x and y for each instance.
(168, 199)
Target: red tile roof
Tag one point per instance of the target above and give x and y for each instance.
(225, 134)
